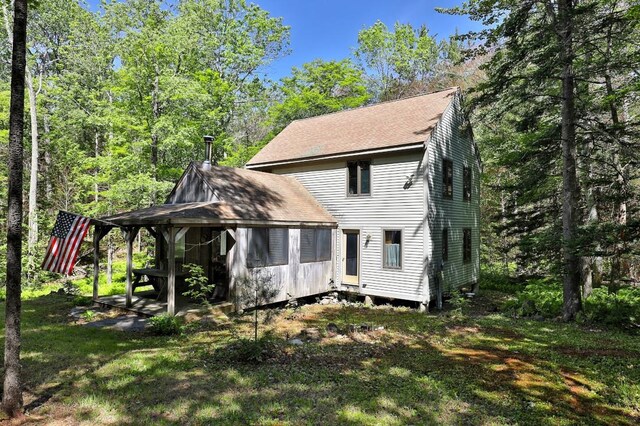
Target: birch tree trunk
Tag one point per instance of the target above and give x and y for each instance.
(12, 388)
(32, 239)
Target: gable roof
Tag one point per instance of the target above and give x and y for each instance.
(390, 124)
(244, 197)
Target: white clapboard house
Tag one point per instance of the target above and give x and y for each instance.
(381, 200)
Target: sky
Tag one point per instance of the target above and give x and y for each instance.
(328, 29)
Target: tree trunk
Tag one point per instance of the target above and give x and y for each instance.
(571, 279)
(32, 239)
(110, 250)
(48, 187)
(12, 391)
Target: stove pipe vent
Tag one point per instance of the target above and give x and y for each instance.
(208, 146)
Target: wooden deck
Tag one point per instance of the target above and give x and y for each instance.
(145, 303)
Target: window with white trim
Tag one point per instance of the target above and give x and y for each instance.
(392, 249)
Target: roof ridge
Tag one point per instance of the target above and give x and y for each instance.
(376, 104)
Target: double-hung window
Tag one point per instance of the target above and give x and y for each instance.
(315, 245)
(392, 249)
(447, 178)
(359, 177)
(267, 247)
(466, 245)
(466, 183)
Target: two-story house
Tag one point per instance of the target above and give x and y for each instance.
(381, 200)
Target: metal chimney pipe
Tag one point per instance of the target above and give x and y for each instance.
(208, 146)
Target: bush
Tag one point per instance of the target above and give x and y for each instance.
(616, 308)
(165, 325)
(621, 308)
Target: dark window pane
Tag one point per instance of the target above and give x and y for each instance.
(392, 249)
(353, 177)
(352, 255)
(466, 190)
(323, 244)
(466, 241)
(307, 245)
(278, 246)
(447, 178)
(365, 177)
(445, 244)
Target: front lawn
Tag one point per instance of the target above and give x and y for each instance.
(420, 369)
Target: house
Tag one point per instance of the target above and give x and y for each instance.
(402, 179)
(381, 200)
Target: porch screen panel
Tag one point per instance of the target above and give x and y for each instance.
(257, 247)
(307, 245)
(323, 244)
(278, 246)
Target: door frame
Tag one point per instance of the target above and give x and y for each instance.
(353, 280)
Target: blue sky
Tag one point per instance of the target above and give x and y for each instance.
(328, 29)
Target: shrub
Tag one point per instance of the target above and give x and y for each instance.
(616, 308)
(165, 325)
(199, 287)
(540, 297)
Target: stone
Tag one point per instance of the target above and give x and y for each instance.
(311, 333)
(368, 300)
(332, 329)
(122, 323)
(296, 342)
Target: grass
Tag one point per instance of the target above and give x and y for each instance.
(480, 368)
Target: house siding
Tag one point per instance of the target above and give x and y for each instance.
(389, 206)
(450, 141)
(292, 280)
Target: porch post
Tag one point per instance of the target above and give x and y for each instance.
(130, 236)
(171, 275)
(96, 260)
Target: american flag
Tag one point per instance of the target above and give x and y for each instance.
(66, 238)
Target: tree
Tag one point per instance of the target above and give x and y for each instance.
(544, 95)
(12, 390)
(399, 62)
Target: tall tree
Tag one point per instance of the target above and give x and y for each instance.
(12, 389)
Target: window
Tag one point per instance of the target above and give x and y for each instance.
(466, 183)
(315, 245)
(466, 245)
(359, 179)
(447, 178)
(268, 247)
(392, 250)
(445, 244)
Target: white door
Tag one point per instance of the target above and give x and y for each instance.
(350, 256)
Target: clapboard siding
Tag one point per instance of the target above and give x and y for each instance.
(292, 280)
(451, 140)
(390, 206)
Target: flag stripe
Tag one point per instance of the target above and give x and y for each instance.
(67, 236)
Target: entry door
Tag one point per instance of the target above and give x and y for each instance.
(350, 256)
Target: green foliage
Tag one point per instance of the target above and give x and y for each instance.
(459, 302)
(544, 297)
(199, 287)
(88, 315)
(165, 325)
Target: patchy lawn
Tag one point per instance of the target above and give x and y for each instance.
(421, 369)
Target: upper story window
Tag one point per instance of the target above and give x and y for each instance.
(359, 179)
(268, 247)
(447, 178)
(315, 245)
(466, 183)
(466, 245)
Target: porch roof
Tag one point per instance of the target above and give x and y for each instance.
(214, 213)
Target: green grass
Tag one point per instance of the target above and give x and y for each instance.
(421, 369)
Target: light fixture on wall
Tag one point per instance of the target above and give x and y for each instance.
(367, 239)
(409, 182)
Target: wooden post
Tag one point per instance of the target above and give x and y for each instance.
(96, 260)
(130, 236)
(171, 276)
